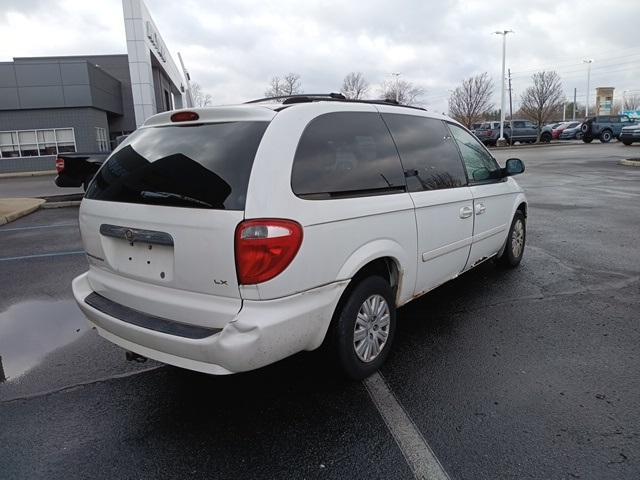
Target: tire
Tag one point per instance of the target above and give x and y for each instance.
(351, 355)
(606, 136)
(585, 128)
(515, 243)
(545, 137)
(587, 138)
(627, 142)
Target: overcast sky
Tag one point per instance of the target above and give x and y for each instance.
(233, 47)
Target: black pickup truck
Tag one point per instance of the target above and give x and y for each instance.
(77, 169)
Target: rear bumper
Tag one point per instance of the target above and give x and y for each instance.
(262, 332)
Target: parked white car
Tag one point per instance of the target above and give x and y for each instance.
(225, 239)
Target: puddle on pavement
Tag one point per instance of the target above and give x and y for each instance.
(31, 330)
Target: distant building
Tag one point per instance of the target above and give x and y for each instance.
(604, 100)
(50, 105)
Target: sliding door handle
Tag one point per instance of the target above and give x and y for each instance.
(466, 212)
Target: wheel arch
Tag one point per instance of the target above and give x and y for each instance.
(383, 257)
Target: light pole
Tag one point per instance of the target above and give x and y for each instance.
(397, 75)
(504, 33)
(588, 61)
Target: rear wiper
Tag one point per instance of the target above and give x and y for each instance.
(176, 196)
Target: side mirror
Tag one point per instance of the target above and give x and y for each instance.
(514, 166)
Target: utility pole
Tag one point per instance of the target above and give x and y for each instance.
(504, 33)
(575, 94)
(588, 61)
(564, 110)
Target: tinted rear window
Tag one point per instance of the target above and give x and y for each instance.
(429, 155)
(346, 154)
(198, 166)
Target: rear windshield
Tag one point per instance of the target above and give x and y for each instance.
(196, 166)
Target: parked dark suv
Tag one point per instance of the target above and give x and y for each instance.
(523, 131)
(604, 127)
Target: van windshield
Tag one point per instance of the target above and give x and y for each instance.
(194, 166)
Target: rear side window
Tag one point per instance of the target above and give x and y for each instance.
(428, 153)
(346, 154)
(198, 166)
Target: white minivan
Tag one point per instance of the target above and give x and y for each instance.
(224, 239)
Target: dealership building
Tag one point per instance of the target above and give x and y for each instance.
(51, 105)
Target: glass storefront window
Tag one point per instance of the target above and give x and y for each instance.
(32, 143)
(47, 142)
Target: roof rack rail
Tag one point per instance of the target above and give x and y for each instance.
(335, 97)
(306, 97)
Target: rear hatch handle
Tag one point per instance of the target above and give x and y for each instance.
(136, 234)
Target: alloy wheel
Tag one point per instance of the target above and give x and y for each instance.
(372, 328)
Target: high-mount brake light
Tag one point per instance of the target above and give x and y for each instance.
(59, 165)
(265, 248)
(184, 117)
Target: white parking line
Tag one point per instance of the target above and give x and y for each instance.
(421, 459)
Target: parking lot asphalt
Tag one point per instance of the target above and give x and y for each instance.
(38, 186)
(528, 373)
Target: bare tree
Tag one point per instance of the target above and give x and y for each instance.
(290, 84)
(405, 92)
(469, 101)
(200, 98)
(542, 100)
(354, 86)
(631, 102)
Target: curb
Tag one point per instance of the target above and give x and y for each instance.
(69, 203)
(630, 162)
(21, 212)
(28, 174)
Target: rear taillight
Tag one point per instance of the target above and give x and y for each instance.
(59, 165)
(264, 248)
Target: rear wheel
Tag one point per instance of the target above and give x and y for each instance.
(606, 136)
(516, 239)
(627, 142)
(545, 137)
(587, 138)
(363, 327)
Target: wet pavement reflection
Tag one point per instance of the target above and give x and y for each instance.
(31, 330)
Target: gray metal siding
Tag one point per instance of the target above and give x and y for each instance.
(28, 164)
(82, 92)
(51, 83)
(83, 120)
